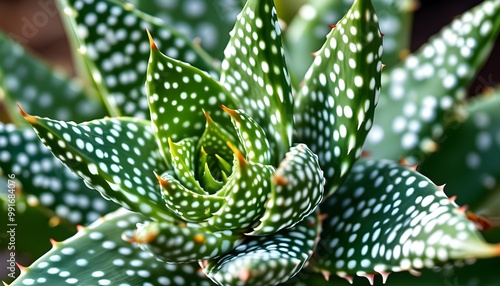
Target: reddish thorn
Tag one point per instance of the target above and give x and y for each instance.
(326, 274)
(349, 279)
(279, 180)
(452, 198)
(462, 209)
(203, 263)
(314, 54)
(404, 162)
(22, 268)
(441, 187)
(382, 34)
(366, 154)
(322, 217)
(332, 26)
(152, 43)
(344, 275)
(80, 227)
(370, 277)
(53, 242)
(385, 275)
(245, 275)
(383, 66)
(31, 119)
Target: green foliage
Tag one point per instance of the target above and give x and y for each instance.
(233, 173)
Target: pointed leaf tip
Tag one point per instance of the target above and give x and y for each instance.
(239, 155)
(152, 43)
(30, 118)
(162, 182)
(231, 112)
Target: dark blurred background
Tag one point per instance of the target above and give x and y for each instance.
(49, 41)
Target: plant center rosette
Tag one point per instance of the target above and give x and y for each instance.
(222, 185)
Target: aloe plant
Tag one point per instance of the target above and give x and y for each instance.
(235, 175)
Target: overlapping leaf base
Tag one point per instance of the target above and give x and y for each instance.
(267, 260)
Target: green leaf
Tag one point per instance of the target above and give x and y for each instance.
(254, 71)
(187, 204)
(172, 243)
(208, 22)
(420, 92)
(29, 220)
(112, 44)
(267, 260)
(40, 174)
(214, 143)
(98, 256)
(468, 155)
(335, 105)
(388, 218)
(245, 192)
(306, 32)
(35, 85)
(183, 162)
(296, 190)
(251, 135)
(115, 156)
(178, 96)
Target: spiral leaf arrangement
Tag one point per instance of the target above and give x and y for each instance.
(234, 170)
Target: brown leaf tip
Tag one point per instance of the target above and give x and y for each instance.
(162, 182)
(152, 43)
(232, 112)
(31, 119)
(239, 155)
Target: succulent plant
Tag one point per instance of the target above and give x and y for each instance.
(230, 173)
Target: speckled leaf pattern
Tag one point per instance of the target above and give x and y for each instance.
(42, 175)
(208, 21)
(182, 157)
(172, 243)
(34, 84)
(335, 105)
(307, 31)
(267, 260)
(188, 205)
(254, 71)
(246, 191)
(420, 91)
(296, 190)
(97, 255)
(117, 157)
(468, 155)
(388, 218)
(112, 44)
(178, 96)
(255, 143)
(214, 143)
